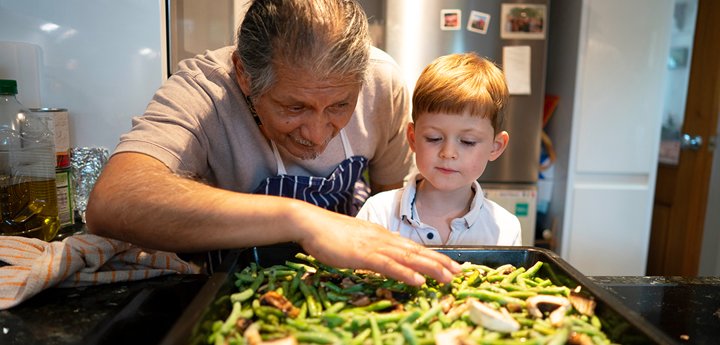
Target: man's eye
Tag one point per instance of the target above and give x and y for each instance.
(468, 143)
(295, 108)
(340, 105)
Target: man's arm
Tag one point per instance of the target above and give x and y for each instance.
(377, 188)
(137, 199)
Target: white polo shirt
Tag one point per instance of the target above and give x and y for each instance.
(487, 223)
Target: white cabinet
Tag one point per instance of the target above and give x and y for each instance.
(610, 77)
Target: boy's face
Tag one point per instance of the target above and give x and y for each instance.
(452, 151)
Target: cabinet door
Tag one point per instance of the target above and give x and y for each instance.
(610, 230)
(622, 86)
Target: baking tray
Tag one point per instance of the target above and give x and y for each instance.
(212, 303)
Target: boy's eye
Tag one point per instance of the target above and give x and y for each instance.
(432, 139)
(468, 143)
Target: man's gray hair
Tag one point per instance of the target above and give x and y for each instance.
(327, 38)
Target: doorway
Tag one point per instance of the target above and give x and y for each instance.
(683, 177)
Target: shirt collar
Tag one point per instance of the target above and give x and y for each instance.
(410, 191)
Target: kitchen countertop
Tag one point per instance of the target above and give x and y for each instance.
(142, 312)
(686, 308)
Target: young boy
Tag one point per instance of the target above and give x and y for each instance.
(456, 129)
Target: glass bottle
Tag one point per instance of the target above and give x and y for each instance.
(28, 196)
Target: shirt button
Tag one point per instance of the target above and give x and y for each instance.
(430, 235)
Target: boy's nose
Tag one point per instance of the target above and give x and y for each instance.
(448, 151)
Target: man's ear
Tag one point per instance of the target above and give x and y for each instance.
(411, 135)
(499, 145)
(243, 80)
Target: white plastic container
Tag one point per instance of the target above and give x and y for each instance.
(28, 196)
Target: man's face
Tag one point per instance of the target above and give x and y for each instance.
(302, 113)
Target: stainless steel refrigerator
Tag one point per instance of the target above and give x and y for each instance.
(513, 34)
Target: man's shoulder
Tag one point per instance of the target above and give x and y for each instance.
(210, 64)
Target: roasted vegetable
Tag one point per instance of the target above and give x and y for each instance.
(312, 303)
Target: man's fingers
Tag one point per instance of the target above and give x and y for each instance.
(414, 260)
(391, 268)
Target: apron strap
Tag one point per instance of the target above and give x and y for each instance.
(281, 166)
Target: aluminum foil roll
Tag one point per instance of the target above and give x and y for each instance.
(86, 164)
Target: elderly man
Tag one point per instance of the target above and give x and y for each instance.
(299, 109)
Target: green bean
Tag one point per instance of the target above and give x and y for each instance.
(531, 271)
(351, 289)
(315, 337)
(491, 296)
(522, 294)
(319, 265)
(332, 287)
(271, 281)
(296, 266)
(375, 330)
(244, 277)
(335, 297)
(409, 318)
(360, 338)
(242, 296)
(428, 315)
(316, 297)
(560, 337)
(511, 277)
(310, 299)
(232, 319)
(324, 298)
(409, 334)
(379, 305)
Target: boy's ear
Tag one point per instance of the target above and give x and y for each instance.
(411, 135)
(499, 145)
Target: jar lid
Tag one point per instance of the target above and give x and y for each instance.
(8, 86)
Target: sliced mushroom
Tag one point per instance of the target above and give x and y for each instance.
(252, 334)
(458, 310)
(579, 339)
(384, 293)
(346, 283)
(514, 307)
(452, 336)
(487, 317)
(243, 323)
(279, 301)
(583, 304)
(556, 305)
(360, 300)
(447, 303)
(289, 340)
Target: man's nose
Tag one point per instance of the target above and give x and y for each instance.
(317, 129)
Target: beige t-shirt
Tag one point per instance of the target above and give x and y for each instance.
(199, 123)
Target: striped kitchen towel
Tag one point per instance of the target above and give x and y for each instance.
(80, 260)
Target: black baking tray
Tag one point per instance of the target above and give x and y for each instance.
(621, 324)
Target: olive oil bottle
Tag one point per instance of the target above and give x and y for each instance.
(28, 196)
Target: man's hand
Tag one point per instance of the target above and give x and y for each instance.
(355, 243)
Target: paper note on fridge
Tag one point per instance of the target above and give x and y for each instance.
(516, 66)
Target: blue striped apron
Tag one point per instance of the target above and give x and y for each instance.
(344, 191)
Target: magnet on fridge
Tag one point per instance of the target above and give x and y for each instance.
(478, 22)
(450, 19)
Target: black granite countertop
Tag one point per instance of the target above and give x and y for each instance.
(686, 308)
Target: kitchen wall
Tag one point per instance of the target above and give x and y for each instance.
(102, 60)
